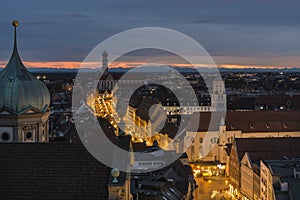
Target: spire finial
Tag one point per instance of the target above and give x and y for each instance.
(15, 23)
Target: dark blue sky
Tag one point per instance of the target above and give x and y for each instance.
(234, 32)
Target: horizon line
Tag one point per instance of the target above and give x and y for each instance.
(129, 65)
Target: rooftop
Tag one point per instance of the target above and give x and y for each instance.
(248, 121)
(58, 170)
(268, 148)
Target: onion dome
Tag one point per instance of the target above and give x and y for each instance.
(21, 91)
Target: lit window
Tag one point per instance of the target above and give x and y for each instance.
(214, 140)
(192, 149)
(230, 140)
(251, 126)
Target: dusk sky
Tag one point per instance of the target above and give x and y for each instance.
(60, 33)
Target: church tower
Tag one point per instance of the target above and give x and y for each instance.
(218, 97)
(105, 62)
(24, 102)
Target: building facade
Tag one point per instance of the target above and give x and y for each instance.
(252, 179)
(207, 141)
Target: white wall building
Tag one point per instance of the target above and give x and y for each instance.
(204, 144)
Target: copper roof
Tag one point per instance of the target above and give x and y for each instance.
(20, 90)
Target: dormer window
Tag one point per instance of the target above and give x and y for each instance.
(251, 126)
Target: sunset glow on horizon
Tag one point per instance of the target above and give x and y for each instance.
(77, 65)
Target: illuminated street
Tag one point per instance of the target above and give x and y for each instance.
(102, 106)
(212, 185)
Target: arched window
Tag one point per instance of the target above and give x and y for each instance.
(200, 152)
(214, 140)
(230, 140)
(201, 140)
(192, 150)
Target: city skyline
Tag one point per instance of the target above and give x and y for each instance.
(149, 100)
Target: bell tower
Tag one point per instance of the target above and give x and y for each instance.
(218, 97)
(105, 62)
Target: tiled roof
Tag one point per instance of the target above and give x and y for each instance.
(58, 170)
(51, 171)
(263, 121)
(268, 148)
(154, 185)
(248, 121)
(200, 121)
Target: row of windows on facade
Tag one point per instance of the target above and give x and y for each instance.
(189, 109)
(195, 106)
(151, 163)
(5, 136)
(215, 140)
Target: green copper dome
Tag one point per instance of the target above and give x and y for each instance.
(19, 90)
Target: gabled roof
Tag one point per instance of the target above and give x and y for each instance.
(263, 121)
(268, 148)
(248, 121)
(246, 160)
(201, 121)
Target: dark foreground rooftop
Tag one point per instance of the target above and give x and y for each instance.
(59, 170)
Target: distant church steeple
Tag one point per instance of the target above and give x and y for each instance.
(218, 97)
(105, 62)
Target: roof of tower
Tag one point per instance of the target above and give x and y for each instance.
(19, 89)
(105, 53)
